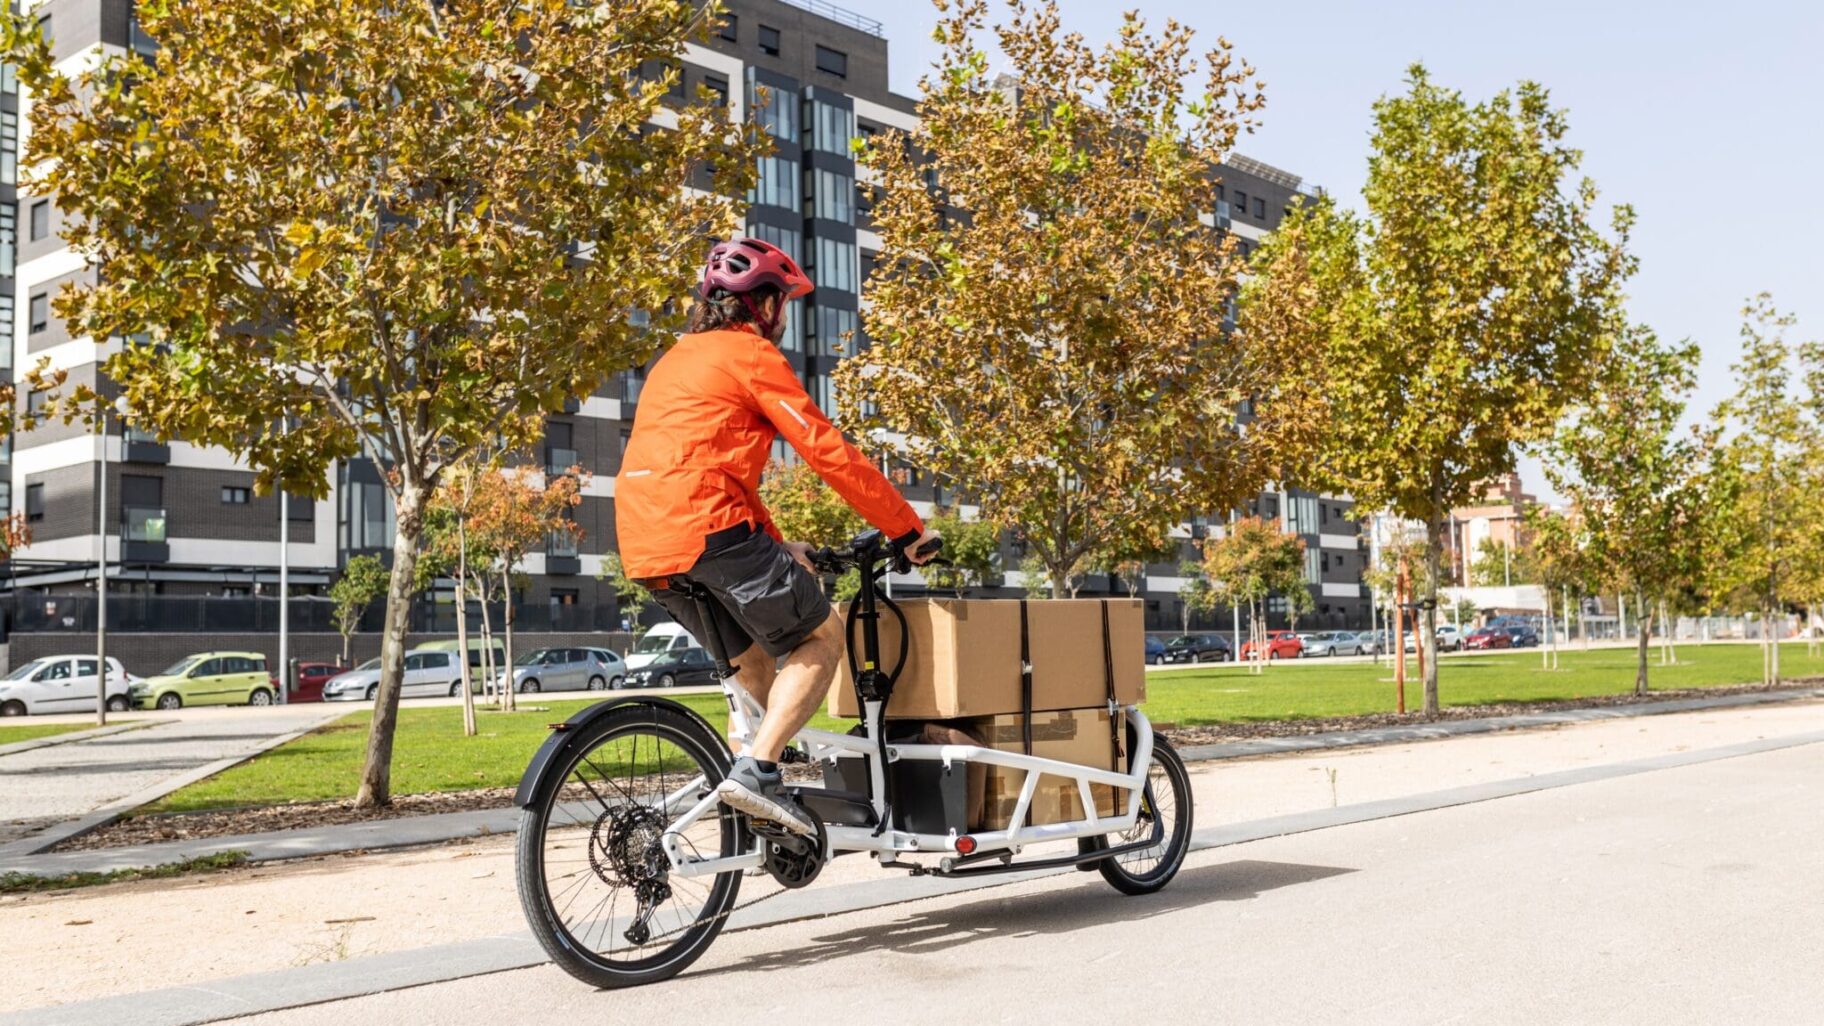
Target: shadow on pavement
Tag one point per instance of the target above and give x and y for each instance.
(1049, 912)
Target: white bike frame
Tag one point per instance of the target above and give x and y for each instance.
(888, 843)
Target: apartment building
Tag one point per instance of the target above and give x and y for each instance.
(182, 520)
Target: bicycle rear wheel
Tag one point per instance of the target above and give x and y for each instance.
(594, 882)
(1166, 801)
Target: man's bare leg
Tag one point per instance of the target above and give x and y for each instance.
(798, 689)
(755, 671)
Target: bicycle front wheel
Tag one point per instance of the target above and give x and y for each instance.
(594, 881)
(1165, 803)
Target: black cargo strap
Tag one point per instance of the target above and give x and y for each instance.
(1025, 682)
(1108, 680)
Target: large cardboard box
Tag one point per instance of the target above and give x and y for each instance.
(1080, 736)
(964, 659)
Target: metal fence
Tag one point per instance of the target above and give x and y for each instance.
(32, 612)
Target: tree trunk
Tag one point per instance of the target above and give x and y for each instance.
(489, 684)
(1060, 584)
(1775, 620)
(347, 636)
(377, 773)
(1551, 636)
(462, 630)
(508, 693)
(1643, 623)
(1428, 619)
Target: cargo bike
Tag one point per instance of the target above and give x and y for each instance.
(628, 865)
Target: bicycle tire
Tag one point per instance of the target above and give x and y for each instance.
(1177, 840)
(573, 954)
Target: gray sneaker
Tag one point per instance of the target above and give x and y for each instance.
(762, 796)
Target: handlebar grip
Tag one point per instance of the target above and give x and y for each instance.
(930, 548)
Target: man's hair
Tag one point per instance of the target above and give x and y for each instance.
(723, 309)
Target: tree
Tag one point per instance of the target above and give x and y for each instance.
(1558, 546)
(1195, 595)
(634, 597)
(1500, 564)
(1045, 327)
(1623, 461)
(518, 511)
(806, 509)
(1255, 559)
(1129, 557)
(1766, 467)
(361, 582)
(972, 552)
(411, 227)
(1459, 316)
(455, 549)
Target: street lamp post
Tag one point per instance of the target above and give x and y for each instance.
(284, 585)
(101, 565)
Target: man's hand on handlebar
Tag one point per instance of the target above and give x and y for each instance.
(925, 548)
(801, 551)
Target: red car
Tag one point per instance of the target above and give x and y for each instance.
(1280, 645)
(1488, 637)
(311, 678)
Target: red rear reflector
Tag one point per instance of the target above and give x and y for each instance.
(965, 845)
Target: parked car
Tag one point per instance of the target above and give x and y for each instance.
(1488, 637)
(1524, 636)
(1155, 651)
(1280, 645)
(1371, 642)
(208, 678)
(478, 649)
(1333, 643)
(308, 687)
(666, 637)
(689, 666)
(1198, 648)
(429, 673)
(62, 684)
(1450, 639)
(565, 669)
(613, 663)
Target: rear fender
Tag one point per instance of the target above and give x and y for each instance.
(534, 785)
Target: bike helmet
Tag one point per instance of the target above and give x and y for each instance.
(743, 265)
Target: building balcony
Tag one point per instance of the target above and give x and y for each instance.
(142, 535)
(138, 446)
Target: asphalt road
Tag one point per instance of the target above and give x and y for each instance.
(1686, 894)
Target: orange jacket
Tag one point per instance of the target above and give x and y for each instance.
(702, 434)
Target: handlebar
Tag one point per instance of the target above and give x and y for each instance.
(869, 550)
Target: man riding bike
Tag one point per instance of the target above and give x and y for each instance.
(689, 510)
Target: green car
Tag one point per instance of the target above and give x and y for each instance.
(210, 678)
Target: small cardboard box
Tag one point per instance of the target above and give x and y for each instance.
(1079, 736)
(964, 659)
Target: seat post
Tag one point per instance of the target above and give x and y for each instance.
(706, 617)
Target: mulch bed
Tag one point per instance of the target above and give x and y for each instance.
(184, 826)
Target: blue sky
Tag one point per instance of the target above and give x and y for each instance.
(1708, 118)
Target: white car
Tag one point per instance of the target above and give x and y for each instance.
(62, 684)
(1449, 638)
(661, 640)
(568, 669)
(428, 674)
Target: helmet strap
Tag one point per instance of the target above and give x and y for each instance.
(771, 323)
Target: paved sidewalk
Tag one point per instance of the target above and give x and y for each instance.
(407, 831)
(46, 790)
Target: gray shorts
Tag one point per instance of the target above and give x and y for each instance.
(759, 593)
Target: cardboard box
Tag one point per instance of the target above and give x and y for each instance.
(964, 659)
(1080, 736)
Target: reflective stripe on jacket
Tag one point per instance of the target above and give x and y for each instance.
(702, 433)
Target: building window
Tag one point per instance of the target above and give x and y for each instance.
(1241, 202)
(9, 79)
(9, 144)
(1314, 572)
(370, 516)
(777, 184)
(832, 128)
(9, 239)
(730, 24)
(834, 330)
(236, 496)
(769, 40)
(41, 219)
(835, 265)
(34, 502)
(718, 85)
(44, 28)
(300, 508)
(833, 62)
(36, 400)
(779, 113)
(40, 313)
(1260, 208)
(832, 196)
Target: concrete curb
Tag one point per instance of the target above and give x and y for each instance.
(76, 735)
(40, 842)
(1459, 728)
(409, 831)
(317, 984)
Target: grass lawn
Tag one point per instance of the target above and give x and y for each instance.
(10, 733)
(430, 753)
(1305, 689)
